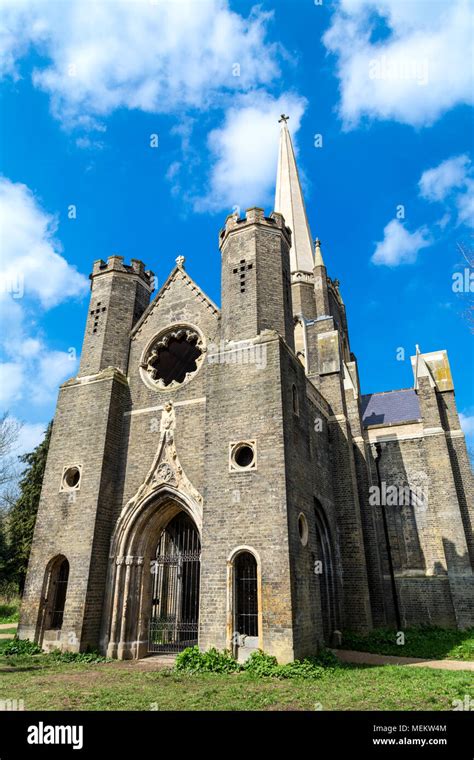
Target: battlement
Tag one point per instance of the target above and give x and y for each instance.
(252, 216)
(115, 264)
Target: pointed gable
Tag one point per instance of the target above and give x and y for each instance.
(177, 279)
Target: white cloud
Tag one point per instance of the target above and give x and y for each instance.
(451, 183)
(435, 184)
(30, 435)
(29, 347)
(414, 72)
(11, 383)
(31, 260)
(153, 55)
(245, 150)
(34, 378)
(53, 367)
(465, 205)
(467, 423)
(34, 277)
(399, 246)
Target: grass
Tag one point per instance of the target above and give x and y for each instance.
(9, 609)
(46, 684)
(426, 642)
(8, 631)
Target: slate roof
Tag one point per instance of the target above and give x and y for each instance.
(389, 407)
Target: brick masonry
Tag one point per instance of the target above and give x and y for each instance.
(304, 511)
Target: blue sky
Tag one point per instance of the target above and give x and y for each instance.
(85, 86)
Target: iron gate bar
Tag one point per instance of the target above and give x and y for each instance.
(246, 593)
(173, 624)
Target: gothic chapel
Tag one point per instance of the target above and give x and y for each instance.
(213, 474)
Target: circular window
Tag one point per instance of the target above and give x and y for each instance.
(303, 529)
(172, 358)
(71, 477)
(242, 456)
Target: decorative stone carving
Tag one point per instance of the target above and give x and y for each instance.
(168, 421)
(164, 474)
(166, 467)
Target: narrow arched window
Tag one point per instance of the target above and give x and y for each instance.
(246, 597)
(327, 584)
(59, 579)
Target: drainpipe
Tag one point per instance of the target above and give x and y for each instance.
(378, 455)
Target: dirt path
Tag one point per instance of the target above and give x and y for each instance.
(155, 662)
(8, 625)
(367, 658)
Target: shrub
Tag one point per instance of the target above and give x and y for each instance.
(263, 665)
(326, 659)
(306, 668)
(60, 656)
(9, 592)
(259, 664)
(213, 661)
(21, 646)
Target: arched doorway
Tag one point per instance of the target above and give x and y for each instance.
(152, 602)
(54, 596)
(327, 581)
(175, 569)
(244, 624)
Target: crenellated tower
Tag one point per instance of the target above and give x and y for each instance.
(256, 292)
(120, 294)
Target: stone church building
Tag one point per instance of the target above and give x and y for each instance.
(216, 477)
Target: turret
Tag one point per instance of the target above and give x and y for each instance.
(256, 292)
(119, 295)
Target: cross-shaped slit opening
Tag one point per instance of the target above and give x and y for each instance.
(241, 270)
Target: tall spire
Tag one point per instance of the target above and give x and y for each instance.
(289, 202)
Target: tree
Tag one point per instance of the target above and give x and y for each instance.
(4, 551)
(9, 430)
(22, 515)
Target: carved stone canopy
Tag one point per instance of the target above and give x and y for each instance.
(166, 468)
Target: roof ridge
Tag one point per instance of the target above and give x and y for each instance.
(382, 393)
(171, 277)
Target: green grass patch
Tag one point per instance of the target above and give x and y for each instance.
(9, 609)
(46, 683)
(426, 642)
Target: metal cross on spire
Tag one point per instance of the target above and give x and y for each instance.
(283, 118)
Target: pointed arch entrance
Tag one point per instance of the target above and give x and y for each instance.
(327, 583)
(154, 573)
(174, 614)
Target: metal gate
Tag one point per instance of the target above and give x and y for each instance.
(173, 624)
